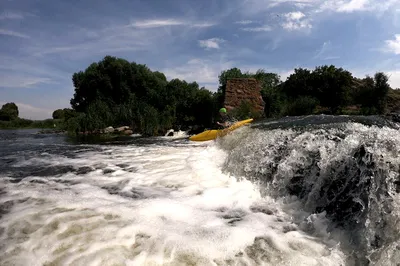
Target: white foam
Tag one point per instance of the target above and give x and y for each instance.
(169, 205)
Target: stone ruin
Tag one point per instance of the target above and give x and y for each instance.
(239, 90)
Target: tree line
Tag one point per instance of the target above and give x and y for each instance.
(9, 118)
(115, 92)
(326, 89)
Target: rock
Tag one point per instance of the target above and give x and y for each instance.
(108, 130)
(119, 129)
(244, 89)
(128, 132)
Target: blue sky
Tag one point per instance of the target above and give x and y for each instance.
(43, 42)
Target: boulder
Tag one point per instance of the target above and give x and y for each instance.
(119, 129)
(108, 130)
(128, 132)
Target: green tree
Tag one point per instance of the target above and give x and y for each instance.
(381, 90)
(131, 94)
(300, 83)
(9, 111)
(58, 114)
(271, 94)
(333, 86)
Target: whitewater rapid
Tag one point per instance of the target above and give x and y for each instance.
(157, 204)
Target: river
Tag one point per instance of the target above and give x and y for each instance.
(314, 190)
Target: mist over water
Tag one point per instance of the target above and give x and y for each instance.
(316, 195)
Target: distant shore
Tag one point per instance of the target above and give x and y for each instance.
(22, 123)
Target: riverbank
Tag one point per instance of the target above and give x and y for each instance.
(22, 123)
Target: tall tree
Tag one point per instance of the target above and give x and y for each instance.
(381, 90)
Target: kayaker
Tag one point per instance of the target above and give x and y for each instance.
(224, 118)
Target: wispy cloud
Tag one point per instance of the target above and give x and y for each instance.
(244, 22)
(212, 43)
(257, 29)
(156, 23)
(323, 52)
(21, 81)
(302, 5)
(13, 33)
(10, 15)
(144, 35)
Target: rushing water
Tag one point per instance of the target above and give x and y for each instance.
(307, 191)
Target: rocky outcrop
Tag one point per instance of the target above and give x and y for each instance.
(240, 90)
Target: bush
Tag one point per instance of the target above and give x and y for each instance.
(245, 111)
(303, 105)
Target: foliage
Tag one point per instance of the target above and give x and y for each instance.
(58, 114)
(27, 123)
(245, 111)
(303, 105)
(393, 100)
(381, 91)
(115, 92)
(328, 84)
(326, 89)
(8, 112)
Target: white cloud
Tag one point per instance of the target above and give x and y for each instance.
(349, 6)
(212, 43)
(353, 5)
(258, 7)
(296, 21)
(257, 29)
(285, 74)
(13, 33)
(393, 45)
(394, 78)
(295, 15)
(344, 5)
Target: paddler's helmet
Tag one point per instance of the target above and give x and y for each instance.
(222, 110)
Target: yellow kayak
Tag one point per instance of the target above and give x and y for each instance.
(215, 133)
